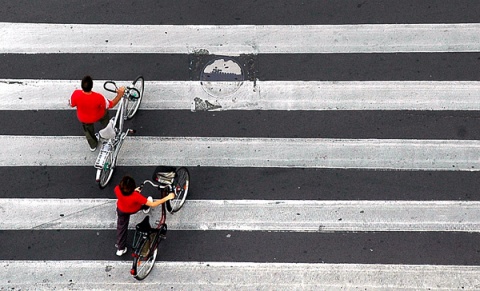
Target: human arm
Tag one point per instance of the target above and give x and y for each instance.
(71, 101)
(117, 98)
(160, 201)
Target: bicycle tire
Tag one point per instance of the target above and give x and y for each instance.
(181, 184)
(110, 164)
(143, 265)
(107, 169)
(133, 104)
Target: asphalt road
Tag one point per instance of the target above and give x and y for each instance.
(296, 12)
(437, 248)
(278, 67)
(449, 248)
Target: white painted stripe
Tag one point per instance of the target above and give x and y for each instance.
(28, 94)
(452, 155)
(114, 275)
(238, 39)
(263, 215)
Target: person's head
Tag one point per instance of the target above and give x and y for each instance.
(87, 84)
(127, 185)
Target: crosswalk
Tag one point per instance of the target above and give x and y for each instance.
(241, 276)
(26, 94)
(264, 215)
(243, 39)
(282, 198)
(252, 152)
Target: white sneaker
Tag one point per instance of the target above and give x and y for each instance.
(121, 252)
(148, 209)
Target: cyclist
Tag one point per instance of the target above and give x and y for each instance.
(129, 202)
(92, 107)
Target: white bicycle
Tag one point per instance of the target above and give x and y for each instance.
(113, 135)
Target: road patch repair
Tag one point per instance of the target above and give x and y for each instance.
(220, 77)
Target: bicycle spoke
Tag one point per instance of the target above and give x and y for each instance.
(181, 184)
(107, 170)
(144, 265)
(133, 101)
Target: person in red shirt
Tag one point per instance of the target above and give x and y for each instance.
(129, 202)
(92, 107)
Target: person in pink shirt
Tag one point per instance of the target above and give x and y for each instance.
(92, 107)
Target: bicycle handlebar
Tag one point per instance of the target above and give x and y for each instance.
(149, 182)
(105, 86)
(130, 91)
(154, 185)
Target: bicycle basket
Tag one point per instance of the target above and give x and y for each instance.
(133, 93)
(164, 175)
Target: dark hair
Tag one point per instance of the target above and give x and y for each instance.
(127, 185)
(87, 83)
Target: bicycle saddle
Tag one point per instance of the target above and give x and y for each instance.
(109, 131)
(144, 226)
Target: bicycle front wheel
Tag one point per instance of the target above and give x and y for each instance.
(181, 184)
(143, 265)
(106, 171)
(134, 102)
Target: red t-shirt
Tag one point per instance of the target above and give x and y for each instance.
(90, 107)
(131, 203)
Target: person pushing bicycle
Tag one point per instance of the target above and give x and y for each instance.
(130, 201)
(92, 107)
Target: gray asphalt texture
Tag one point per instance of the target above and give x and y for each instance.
(449, 248)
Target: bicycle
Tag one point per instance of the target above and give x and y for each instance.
(147, 238)
(113, 135)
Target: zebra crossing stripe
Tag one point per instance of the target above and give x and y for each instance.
(264, 215)
(405, 154)
(28, 94)
(299, 216)
(227, 39)
(114, 275)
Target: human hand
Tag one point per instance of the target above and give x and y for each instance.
(121, 90)
(138, 189)
(171, 196)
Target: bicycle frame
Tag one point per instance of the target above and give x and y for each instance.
(113, 135)
(116, 142)
(146, 241)
(120, 118)
(147, 238)
(162, 188)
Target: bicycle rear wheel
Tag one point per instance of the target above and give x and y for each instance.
(109, 165)
(180, 184)
(106, 171)
(143, 265)
(134, 103)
